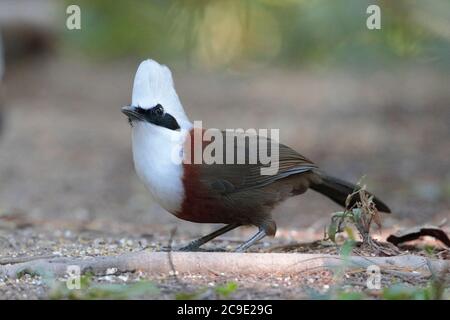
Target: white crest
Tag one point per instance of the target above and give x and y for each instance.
(153, 85)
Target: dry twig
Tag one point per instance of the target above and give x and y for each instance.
(223, 262)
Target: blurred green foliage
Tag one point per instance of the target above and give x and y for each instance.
(431, 291)
(93, 291)
(221, 292)
(233, 33)
(227, 289)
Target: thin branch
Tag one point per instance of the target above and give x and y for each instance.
(227, 263)
(15, 260)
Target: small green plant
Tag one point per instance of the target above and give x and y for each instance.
(430, 250)
(227, 289)
(90, 291)
(222, 291)
(361, 215)
(433, 291)
(189, 295)
(360, 212)
(352, 295)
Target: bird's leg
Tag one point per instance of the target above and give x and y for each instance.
(258, 236)
(194, 245)
(267, 228)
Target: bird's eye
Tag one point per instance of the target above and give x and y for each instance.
(159, 110)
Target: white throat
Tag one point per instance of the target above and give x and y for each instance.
(154, 153)
(154, 146)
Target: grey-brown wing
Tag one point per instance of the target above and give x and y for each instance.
(228, 178)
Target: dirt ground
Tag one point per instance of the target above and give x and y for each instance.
(68, 188)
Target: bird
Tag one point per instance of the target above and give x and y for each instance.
(234, 194)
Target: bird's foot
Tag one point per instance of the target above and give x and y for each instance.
(191, 247)
(258, 236)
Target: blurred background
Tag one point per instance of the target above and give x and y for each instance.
(358, 102)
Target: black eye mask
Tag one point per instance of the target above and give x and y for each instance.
(157, 116)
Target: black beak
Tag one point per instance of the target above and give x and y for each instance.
(132, 113)
(153, 115)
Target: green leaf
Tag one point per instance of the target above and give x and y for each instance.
(356, 214)
(226, 289)
(350, 233)
(347, 247)
(103, 291)
(187, 295)
(332, 230)
(350, 296)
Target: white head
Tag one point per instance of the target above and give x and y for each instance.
(159, 127)
(153, 90)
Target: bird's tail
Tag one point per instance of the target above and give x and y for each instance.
(338, 191)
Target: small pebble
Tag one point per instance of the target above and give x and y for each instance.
(110, 271)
